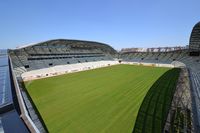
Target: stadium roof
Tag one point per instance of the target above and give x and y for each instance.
(5, 88)
(71, 43)
(56, 40)
(10, 121)
(195, 38)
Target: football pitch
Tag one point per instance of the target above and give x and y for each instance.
(104, 100)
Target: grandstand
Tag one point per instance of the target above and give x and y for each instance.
(182, 57)
(61, 56)
(195, 40)
(58, 52)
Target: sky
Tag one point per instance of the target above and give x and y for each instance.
(119, 23)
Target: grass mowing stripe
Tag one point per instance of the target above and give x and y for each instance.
(145, 104)
(175, 75)
(156, 122)
(162, 90)
(100, 100)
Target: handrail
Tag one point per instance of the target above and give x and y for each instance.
(24, 113)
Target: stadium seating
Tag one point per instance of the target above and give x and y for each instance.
(57, 57)
(58, 52)
(62, 69)
(176, 58)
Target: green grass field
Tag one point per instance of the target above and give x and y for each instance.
(95, 101)
(156, 104)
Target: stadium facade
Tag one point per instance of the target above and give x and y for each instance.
(61, 56)
(195, 40)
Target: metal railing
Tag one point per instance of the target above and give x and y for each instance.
(24, 113)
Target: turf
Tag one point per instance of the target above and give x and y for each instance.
(156, 104)
(101, 100)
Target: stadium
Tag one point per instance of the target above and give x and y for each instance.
(80, 86)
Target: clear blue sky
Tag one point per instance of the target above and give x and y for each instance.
(120, 23)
